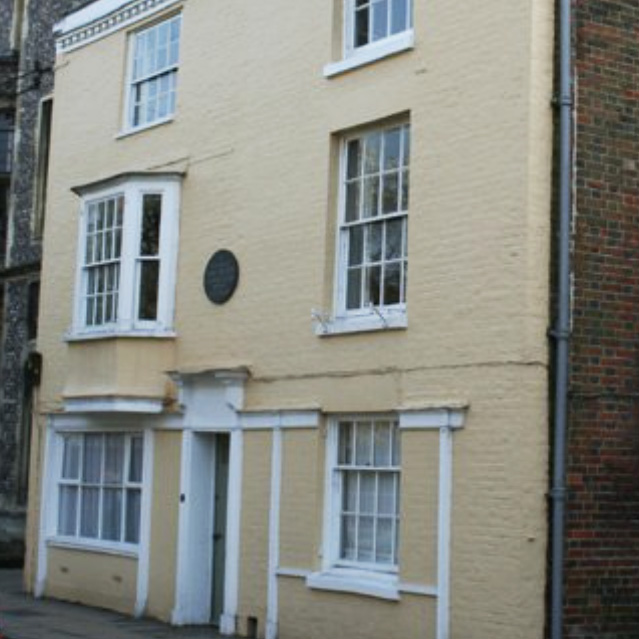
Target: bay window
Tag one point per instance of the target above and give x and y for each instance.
(128, 244)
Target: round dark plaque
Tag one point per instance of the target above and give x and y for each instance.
(221, 276)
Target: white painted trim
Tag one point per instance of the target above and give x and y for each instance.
(299, 573)
(102, 18)
(418, 589)
(432, 418)
(369, 584)
(99, 547)
(106, 334)
(254, 420)
(393, 319)
(178, 615)
(128, 131)
(144, 552)
(444, 531)
(272, 601)
(370, 53)
(112, 422)
(113, 405)
(228, 619)
(46, 488)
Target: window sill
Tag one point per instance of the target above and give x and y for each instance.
(81, 336)
(358, 582)
(100, 547)
(125, 133)
(376, 320)
(372, 53)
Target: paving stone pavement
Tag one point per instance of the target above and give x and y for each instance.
(23, 617)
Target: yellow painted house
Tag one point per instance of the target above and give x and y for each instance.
(294, 303)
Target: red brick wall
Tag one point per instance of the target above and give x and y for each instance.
(602, 552)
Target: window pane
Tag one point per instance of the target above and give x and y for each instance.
(68, 510)
(350, 491)
(367, 493)
(392, 144)
(365, 539)
(390, 186)
(345, 454)
(355, 246)
(372, 286)
(92, 459)
(89, 513)
(149, 289)
(382, 444)
(396, 445)
(354, 159)
(406, 145)
(114, 459)
(394, 237)
(405, 187)
(349, 537)
(352, 201)
(133, 501)
(354, 289)
(363, 444)
(374, 242)
(371, 197)
(386, 494)
(111, 513)
(361, 27)
(151, 216)
(372, 153)
(392, 284)
(71, 459)
(137, 449)
(399, 15)
(380, 20)
(384, 541)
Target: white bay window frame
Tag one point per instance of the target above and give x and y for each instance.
(132, 189)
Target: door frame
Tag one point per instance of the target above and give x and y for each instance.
(195, 529)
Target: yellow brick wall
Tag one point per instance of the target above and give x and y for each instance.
(256, 131)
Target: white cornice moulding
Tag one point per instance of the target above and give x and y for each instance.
(444, 417)
(279, 419)
(103, 18)
(113, 405)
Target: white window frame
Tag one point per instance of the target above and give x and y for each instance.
(133, 190)
(337, 574)
(370, 318)
(129, 103)
(96, 543)
(354, 57)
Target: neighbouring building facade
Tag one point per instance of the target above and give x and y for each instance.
(27, 54)
(602, 527)
(253, 411)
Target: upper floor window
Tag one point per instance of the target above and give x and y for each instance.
(128, 247)
(375, 20)
(373, 30)
(153, 76)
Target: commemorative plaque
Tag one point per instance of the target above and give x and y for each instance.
(221, 276)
